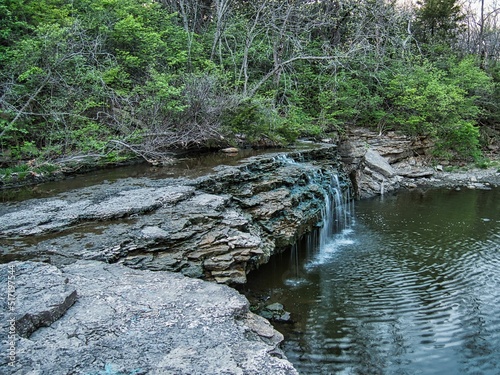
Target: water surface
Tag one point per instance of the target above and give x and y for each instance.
(413, 287)
(190, 166)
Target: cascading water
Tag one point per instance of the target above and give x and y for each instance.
(416, 293)
(285, 159)
(337, 215)
(338, 209)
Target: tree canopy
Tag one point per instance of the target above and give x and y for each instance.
(146, 76)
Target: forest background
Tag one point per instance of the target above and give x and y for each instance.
(115, 79)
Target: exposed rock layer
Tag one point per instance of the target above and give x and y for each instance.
(217, 227)
(382, 163)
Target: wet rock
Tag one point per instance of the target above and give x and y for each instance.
(142, 322)
(274, 307)
(415, 173)
(275, 312)
(218, 227)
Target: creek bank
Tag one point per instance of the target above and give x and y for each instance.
(91, 303)
(379, 164)
(94, 318)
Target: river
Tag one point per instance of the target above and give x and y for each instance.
(411, 286)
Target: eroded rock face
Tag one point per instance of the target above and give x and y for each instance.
(377, 164)
(128, 321)
(381, 163)
(40, 295)
(217, 227)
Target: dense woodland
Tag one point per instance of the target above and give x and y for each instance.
(114, 78)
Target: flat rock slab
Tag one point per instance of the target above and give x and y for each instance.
(128, 321)
(415, 173)
(38, 216)
(39, 295)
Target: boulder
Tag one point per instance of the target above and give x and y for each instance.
(377, 163)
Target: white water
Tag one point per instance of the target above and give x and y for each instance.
(337, 220)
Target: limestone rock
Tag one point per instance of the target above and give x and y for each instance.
(230, 150)
(42, 295)
(46, 215)
(129, 321)
(376, 162)
(217, 227)
(276, 313)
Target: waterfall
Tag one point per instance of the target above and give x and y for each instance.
(337, 217)
(285, 159)
(336, 213)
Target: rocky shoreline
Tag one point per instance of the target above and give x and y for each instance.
(95, 318)
(217, 227)
(89, 273)
(379, 165)
(101, 244)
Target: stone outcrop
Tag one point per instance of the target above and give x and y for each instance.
(104, 301)
(377, 163)
(217, 227)
(41, 296)
(127, 321)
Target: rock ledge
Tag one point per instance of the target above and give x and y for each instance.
(128, 321)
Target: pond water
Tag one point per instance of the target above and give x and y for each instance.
(411, 287)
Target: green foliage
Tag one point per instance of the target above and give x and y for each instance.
(26, 150)
(350, 101)
(76, 75)
(253, 119)
(249, 118)
(438, 21)
(296, 123)
(430, 101)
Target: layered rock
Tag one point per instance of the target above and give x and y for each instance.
(377, 163)
(217, 227)
(127, 321)
(381, 163)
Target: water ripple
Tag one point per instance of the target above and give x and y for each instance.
(408, 291)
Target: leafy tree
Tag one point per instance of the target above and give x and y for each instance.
(438, 21)
(147, 75)
(429, 101)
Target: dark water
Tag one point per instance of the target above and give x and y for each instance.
(191, 166)
(413, 287)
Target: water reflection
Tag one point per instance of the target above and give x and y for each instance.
(413, 288)
(190, 166)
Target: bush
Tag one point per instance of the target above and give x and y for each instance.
(430, 101)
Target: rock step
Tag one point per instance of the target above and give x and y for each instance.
(217, 227)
